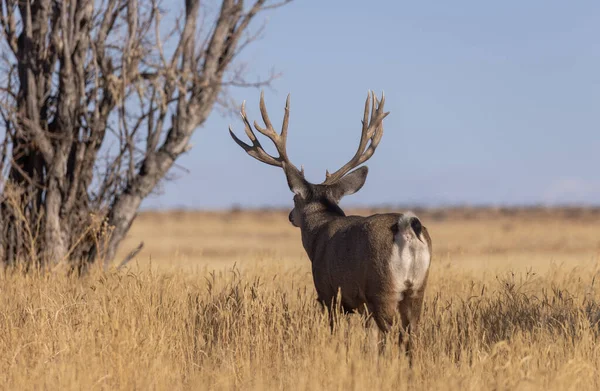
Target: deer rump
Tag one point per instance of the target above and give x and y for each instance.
(371, 261)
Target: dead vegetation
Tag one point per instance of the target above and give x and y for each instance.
(184, 317)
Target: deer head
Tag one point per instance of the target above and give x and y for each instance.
(309, 197)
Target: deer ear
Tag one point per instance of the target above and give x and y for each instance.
(349, 183)
(298, 185)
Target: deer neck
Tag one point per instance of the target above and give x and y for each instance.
(314, 222)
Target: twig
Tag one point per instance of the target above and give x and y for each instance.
(131, 255)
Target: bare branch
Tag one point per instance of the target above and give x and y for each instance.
(276, 5)
(130, 256)
(39, 137)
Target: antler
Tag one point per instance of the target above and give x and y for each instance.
(256, 150)
(372, 130)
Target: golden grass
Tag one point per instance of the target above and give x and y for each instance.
(512, 303)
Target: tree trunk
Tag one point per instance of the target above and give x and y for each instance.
(120, 219)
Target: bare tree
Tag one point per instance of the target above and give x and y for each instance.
(97, 101)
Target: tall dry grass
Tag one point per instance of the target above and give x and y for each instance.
(512, 304)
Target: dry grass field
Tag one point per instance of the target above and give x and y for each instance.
(224, 300)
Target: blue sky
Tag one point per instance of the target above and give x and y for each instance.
(491, 103)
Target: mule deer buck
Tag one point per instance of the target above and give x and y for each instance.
(379, 263)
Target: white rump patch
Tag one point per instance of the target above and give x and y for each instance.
(410, 258)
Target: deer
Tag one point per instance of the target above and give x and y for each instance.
(376, 265)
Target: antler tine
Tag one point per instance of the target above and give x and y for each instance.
(372, 131)
(286, 120)
(247, 127)
(365, 120)
(268, 131)
(278, 139)
(256, 150)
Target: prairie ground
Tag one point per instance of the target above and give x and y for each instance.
(224, 300)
